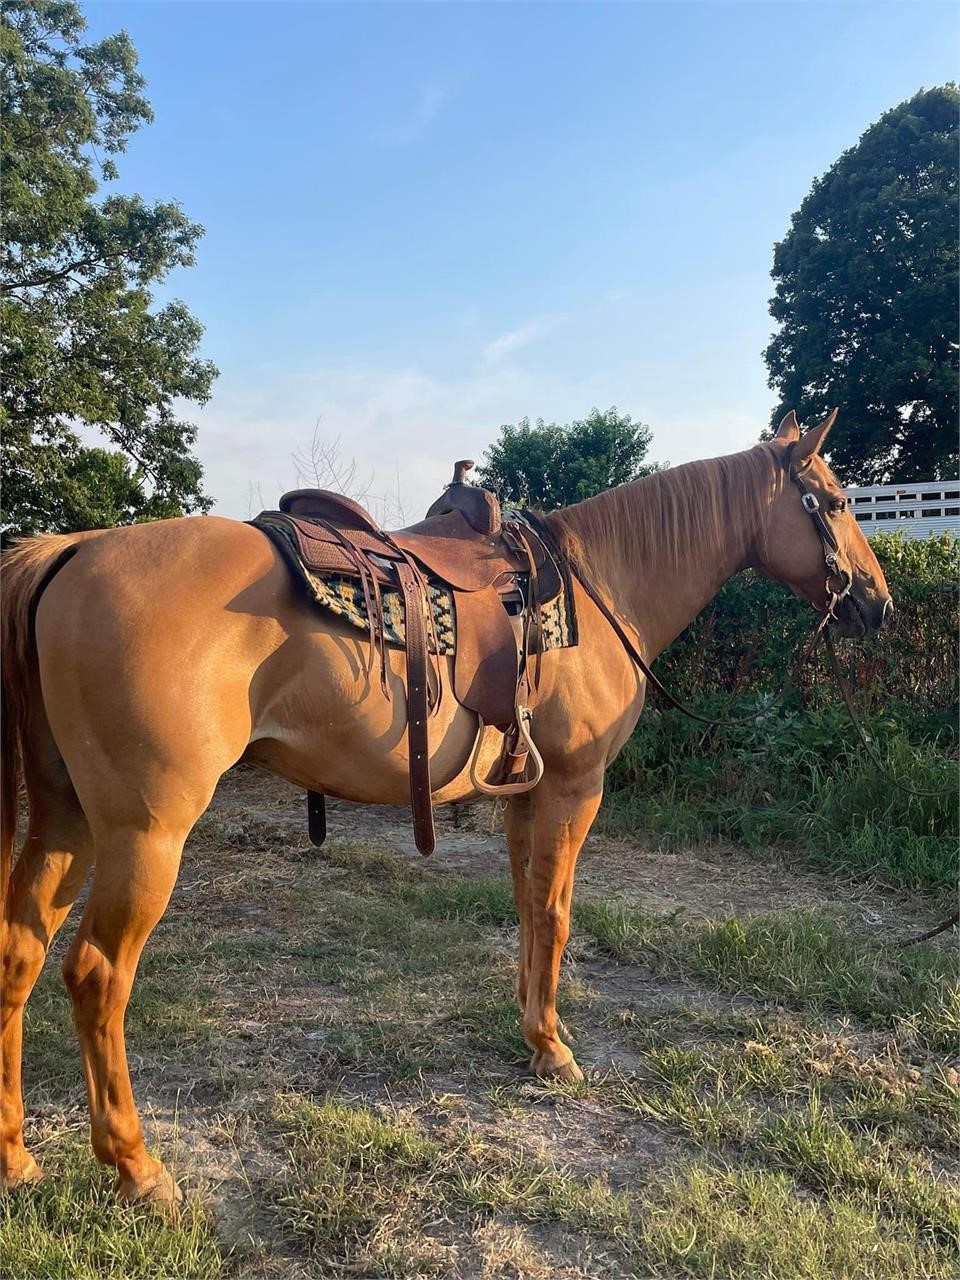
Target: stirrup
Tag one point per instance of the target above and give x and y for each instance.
(524, 719)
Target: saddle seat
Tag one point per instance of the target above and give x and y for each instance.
(462, 541)
(499, 571)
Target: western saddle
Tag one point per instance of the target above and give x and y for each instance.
(499, 567)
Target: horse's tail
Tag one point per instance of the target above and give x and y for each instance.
(24, 572)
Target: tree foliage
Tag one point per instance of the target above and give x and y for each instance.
(547, 466)
(867, 302)
(83, 345)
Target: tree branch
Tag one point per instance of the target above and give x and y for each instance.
(53, 276)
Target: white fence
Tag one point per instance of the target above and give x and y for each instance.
(920, 510)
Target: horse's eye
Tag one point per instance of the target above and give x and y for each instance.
(838, 504)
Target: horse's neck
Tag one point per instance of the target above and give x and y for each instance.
(675, 542)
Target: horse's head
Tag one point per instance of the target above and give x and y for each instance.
(812, 542)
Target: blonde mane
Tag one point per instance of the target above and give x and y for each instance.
(662, 517)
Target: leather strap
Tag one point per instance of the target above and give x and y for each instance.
(418, 744)
(634, 653)
(316, 817)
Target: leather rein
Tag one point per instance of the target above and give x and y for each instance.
(835, 594)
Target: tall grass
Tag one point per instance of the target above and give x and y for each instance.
(797, 778)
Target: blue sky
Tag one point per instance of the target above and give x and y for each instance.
(425, 220)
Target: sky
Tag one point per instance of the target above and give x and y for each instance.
(426, 220)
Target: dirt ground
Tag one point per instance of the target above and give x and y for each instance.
(282, 971)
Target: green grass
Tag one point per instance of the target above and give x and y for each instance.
(372, 1193)
(71, 1227)
(735, 1223)
(834, 1142)
(369, 1191)
(802, 958)
(798, 780)
(795, 1131)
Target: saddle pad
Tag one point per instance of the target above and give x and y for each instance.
(342, 595)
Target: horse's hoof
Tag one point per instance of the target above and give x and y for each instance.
(161, 1194)
(567, 1071)
(21, 1171)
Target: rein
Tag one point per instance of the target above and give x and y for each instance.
(838, 583)
(811, 505)
(655, 680)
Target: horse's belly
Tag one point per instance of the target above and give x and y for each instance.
(328, 726)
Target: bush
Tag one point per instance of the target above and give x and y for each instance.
(797, 775)
(752, 628)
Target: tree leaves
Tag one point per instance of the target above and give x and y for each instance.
(867, 298)
(549, 466)
(82, 342)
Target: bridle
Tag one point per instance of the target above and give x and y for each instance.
(837, 585)
(839, 580)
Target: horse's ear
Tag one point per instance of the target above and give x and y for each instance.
(812, 442)
(788, 430)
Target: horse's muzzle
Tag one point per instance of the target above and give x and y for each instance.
(860, 614)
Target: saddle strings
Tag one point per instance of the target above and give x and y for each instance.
(372, 600)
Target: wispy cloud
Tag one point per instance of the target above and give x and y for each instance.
(505, 344)
(404, 424)
(410, 126)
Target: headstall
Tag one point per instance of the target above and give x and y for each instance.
(838, 581)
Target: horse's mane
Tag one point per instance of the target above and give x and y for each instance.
(665, 514)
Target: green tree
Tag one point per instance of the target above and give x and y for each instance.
(82, 344)
(866, 298)
(548, 466)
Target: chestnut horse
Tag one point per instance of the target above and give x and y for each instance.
(141, 663)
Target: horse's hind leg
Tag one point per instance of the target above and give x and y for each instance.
(47, 878)
(135, 875)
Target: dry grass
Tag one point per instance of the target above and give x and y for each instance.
(327, 1047)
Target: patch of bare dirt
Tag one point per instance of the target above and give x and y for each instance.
(711, 882)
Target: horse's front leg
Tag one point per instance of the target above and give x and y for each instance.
(518, 824)
(562, 813)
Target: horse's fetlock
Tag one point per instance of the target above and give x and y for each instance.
(537, 1031)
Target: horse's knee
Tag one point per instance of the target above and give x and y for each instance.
(91, 980)
(21, 966)
(551, 926)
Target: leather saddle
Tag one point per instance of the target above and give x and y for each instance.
(500, 569)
